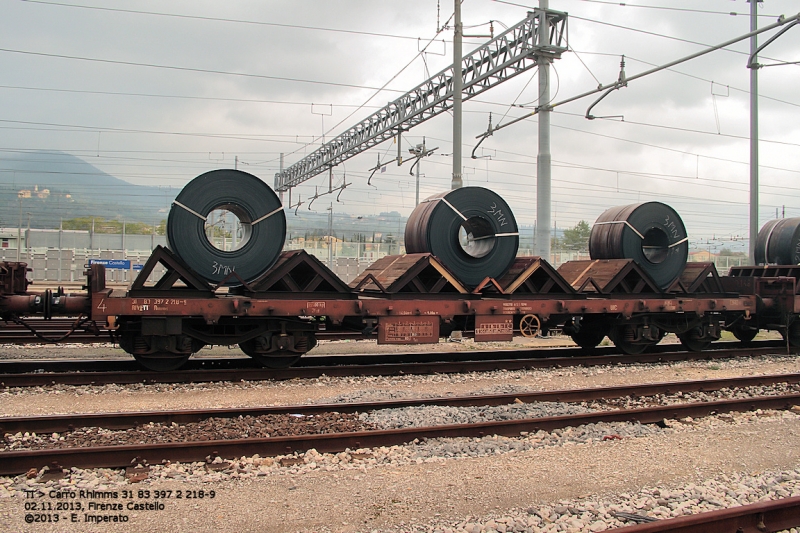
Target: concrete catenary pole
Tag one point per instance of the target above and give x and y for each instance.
(753, 133)
(330, 236)
(19, 228)
(543, 160)
(281, 170)
(419, 163)
(458, 84)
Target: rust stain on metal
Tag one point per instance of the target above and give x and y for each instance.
(408, 330)
(109, 456)
(494, 328)
(775, 515)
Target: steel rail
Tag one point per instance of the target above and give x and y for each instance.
(16, 462)
(12, 333)
(237, 360)
(125, 420)
(776, 515)
(376, 368)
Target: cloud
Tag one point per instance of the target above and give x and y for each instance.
(650, 156)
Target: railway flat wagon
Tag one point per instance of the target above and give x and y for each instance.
(462, 274)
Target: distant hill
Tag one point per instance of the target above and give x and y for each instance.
(58, 185)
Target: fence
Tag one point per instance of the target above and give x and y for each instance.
(53, 265)
(347, 260)
(68, 265)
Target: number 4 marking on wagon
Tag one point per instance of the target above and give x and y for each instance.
(101, 306)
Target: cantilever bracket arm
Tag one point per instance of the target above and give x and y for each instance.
(414, 164)
(417, 158)
(489, 133)
(589, 115)
(341, 190)
(622, 81)
(751, 62)
(297, 205)
(482, 138)
(491, 130)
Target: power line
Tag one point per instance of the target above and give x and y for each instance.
(219, 19)
(216, 99)
(745, 91)
(192, 69)
(655, 34)
(420, 53)
(104, 129)
(612, 188)
(175, 96)
(667, 148)
(688, 10)
(637, 30)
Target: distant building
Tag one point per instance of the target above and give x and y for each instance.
(27, 193)
(702, 256)
(8, 238)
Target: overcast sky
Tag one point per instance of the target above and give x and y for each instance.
(158, 92)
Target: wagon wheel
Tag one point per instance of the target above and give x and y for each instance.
(530, 326)
(693, 344)
(693, 340)
(275, 360)
(622, 336)
(280, 359)
(588, 338)
(744, 333)
(157, 353)
(590, 335)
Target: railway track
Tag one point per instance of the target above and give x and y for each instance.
(52, 330)
(759, 517)
(44, 373)
(34, 330)
(188, 450)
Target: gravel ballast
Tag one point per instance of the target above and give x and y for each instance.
(571, 480)
(486, 485)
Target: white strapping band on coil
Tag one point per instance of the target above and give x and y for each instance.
(636, 231)
(453, 208)
(189, 209)
(465, 218)
(496, 235)
(253, 223)
(679, 242)
(766, 243)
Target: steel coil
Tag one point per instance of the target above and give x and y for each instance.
(778, 242)
(650, 233)
(471, 230)
(259, 210)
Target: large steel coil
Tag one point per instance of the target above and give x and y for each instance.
(471, 230)
(253, 202)
(778, 242)
(650, 233)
